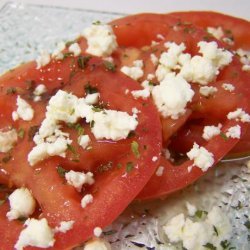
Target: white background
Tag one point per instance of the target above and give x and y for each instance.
(239, 8)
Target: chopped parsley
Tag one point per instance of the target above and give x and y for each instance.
(97, 22)
(109, 66)
(61, 171)
(21, 133)
(82, 61)
(224, 137)
(129, 166)
(215, 231)
(90, 89)
(200, 213)
(247, 224)
(67, 54)
(210, 246)
(92, 124)
(11, 91)
(135, 149)
(97, 109)
(225, 244)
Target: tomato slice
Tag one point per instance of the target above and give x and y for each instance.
(235, 28)
(114, 188)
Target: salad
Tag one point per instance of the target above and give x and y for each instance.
(135, 109)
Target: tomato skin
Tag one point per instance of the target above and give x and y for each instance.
(238, 27)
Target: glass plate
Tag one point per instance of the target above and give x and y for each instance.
(27, 29)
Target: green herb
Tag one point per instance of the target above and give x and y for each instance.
(110, 232)
(225, 244)
(92, 124)
(67, 54)
(119, 165)
(239, 206)
(7, 158)
(200, 213)
(109, 66)
(90, 89)
(210, 246)
(215, 230)
(69, 43)
(96, 22)
(105, 167)
(82, 61)
(2, 202)
(129, 167)
(189, 30)
(135, 149)
(32, 131)
(61, 171)
(150, 83)
(223, 136)
(22, 219)
(79, 129)
(11, 91)
(71, 148)
(131, 134)
(21, 133)
(247, 224)
(97, 109)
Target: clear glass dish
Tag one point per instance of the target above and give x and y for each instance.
(27, 29)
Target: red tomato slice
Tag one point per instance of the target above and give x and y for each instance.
(233, 27)
(114, 188)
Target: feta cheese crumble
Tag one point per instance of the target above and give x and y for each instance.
(234, 132)
(191, 209)
(39, 90)
(239, 115)
(159, 171)
(155, 158)
(97, 244)
(101, 40)
(57, 53)
(228, 86)
(87, 199)
(202, 158)
(92, 98)
(207, 90)
(24, 110)
(37, 234)
(97, 232)
(144, 94)
(84, 141)
(172, 96)
(135, 72)
(210, 131)
(7, 140)
(218, 32)
(78, 179)
(43, 59)
(22, 204)
(75, 49)
(64, 226)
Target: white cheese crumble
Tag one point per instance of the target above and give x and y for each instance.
(101, 40)
(97, 232)
(78, 179)
(218, 32)
(36, 234)
(228, 86)
(234, 132)
(84, 141)
(154, 59)
(208, 90)
(160, 170)
(195, 234)
(202, 158)
(239, 115)
(64, 226)
(244, 58)
(22, 204)
(43, 59)
(135, 72)
(172, 96)
(7, 140)
(39, 90)
(92, 98)
(57, 53)
(75, 49)
(154, 158)
(191, 209)
(97, 244)
(144, 94)
(24, 110)
(210, 131)
(87, 199)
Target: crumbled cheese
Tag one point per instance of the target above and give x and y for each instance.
(207, 90)
(159, 171)
(84, 141)
(155, 158)
(203, 159)
(195, 234)
(36, 234)
(97, 244)
(15, 116)
(97, 232)
(78, 179)
(246, 67)
(114, 125)
(75, 49)
(172, 96)
(244, 58)
(234, 132)
(135, 111)
(24, 110)
(43, 59)
(191, 209)
(135, 72)
(154, 59)
(228, 86)
(57, 53)
(64, 226)
(144, 94)
(218, 32)
(239, 115)
(147, 85)
(210, 131)
(40, 89)
(87, 199)
(92, 98)
(101, 40)
(22, 204)
(150, 77)
(7, 140)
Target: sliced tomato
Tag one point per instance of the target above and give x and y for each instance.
(115, 187)
(234, 28)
